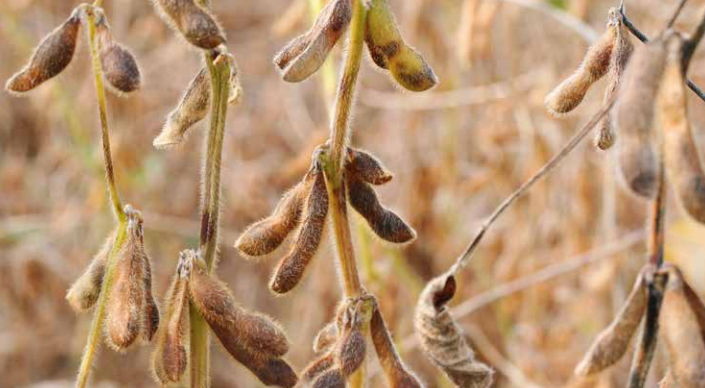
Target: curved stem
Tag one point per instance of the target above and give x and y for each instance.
(219, 69)
(103, 112)
(97, 324)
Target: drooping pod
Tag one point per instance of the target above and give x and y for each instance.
(443, 341)
(120, 67)
(84, 292)
(397, 374)
(265, 236)
(317, 367)
(194, 23)
(622, 51)
(291, 268)
(366, 167)
(305, 54)
(385, 223)
(389, 51)
(192, 108)
(51, 57)
(125, 308)
(257, 333)
(683, 159)
(682, 334)
(351, 348)
(612, 343)
(326, 337)
(170, 357)
(634, 116)
(151, 313)
(571, 92)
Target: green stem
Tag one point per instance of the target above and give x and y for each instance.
(333, 165)
(103, 112)
(97, 324)
(219, 69)
(99, 316)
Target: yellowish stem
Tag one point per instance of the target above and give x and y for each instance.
(97, 324)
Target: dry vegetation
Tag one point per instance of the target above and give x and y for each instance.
(546, 280)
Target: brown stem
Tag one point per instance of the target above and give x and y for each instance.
(518, 193)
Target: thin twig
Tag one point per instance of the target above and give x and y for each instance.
(453, 98)
(677, 12)
(546, 274)
(545, 170)
(644, 39)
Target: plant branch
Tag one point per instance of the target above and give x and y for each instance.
(644, 39)
(333, 162)
(103, 113)
(219, 70)
(462, 260)
(96, 328)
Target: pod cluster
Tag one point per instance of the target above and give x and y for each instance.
(303, 211)
(341, 347)
(193, 22)
(55, 52)
(654, 94)
(682, 329)
(132, 315)
(306, 53)
(608, 56)
(194, 105)
(442, 339)
(254, 340)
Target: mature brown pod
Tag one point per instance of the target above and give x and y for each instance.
(332, 378)
(126, 303)
(443, 341)
(192, 108)
(317, 367)
(612, 343)
(683, 159)
(570, 93)
(366, 167)
(84, 292)
(682, 334)
(634, 115)
(196, 24)
(304, 55)
(398, 375)
(270, 371)
(265, 236)
(151, 312)
(385, 223)
(352, 348)
(51, 57)
(389, 51)
(326, 337)
(623, 48)
(119, 65)
(170, 357)
(257, 333)
(307, 241)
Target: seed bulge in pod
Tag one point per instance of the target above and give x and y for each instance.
(192, 108)
(51, 57)
(634, 116)
(303, 56)
(366, 167)
(119, 65)
(612, 343)
(196, 24)
(307, 240)
(85, 291)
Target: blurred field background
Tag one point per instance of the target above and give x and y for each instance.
(456, 152)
